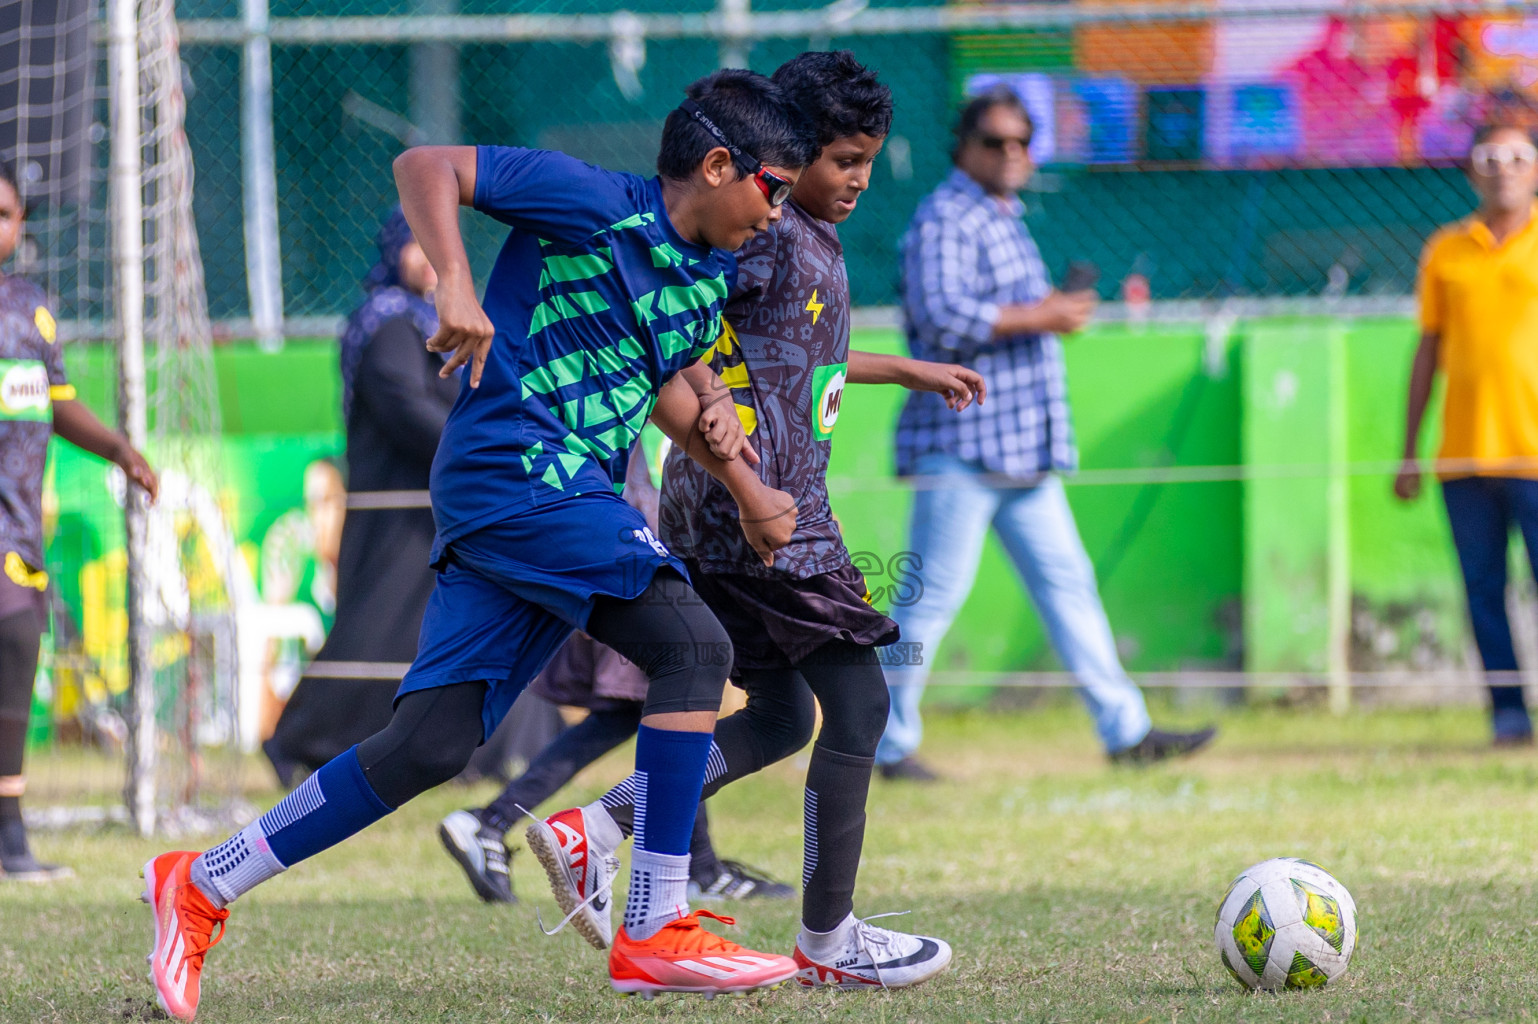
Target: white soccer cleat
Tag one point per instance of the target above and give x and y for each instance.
(872, 957)
(581, 877)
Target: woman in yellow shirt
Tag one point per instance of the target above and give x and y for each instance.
(1478, 296)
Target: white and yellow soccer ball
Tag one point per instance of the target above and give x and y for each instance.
(1286, 923)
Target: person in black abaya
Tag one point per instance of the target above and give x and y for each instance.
(394, 405)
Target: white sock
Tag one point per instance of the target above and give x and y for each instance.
(235, 866)
(820, 945)
(603, 835)
(659, 892)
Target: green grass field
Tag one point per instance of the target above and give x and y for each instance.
(1072, 891)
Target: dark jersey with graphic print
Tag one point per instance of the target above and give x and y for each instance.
(784, 354)
(31, 377)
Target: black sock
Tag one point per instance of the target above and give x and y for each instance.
(836, 788)
(19, 637)
(849, 683)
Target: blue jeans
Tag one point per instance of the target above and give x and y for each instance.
(951, 516)
(1482, 511)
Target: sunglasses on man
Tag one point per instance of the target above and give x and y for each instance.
(775, 188)
(1488, 158)
(998, 143)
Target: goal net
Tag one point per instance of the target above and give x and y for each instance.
(136, 715)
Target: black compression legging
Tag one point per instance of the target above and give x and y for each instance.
(19, 638)
(848, 683)
(667, 632)
(671, 635)
(846, 680)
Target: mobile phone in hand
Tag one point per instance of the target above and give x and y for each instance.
(1082, 276)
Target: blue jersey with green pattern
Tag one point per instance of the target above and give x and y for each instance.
(597, 302)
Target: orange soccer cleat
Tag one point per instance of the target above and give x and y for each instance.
(684, 957)
(184, 924)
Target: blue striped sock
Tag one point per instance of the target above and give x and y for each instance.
(298, 828)
(671, 769)
(669, 775)
(329, 806)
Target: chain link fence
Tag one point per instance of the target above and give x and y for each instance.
(1215, 160)
(1287, 155)
(1192, 151)
(137, 690)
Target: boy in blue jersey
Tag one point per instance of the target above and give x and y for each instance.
(607, 287)
(803, 626)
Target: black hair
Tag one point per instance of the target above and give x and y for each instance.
(9, 177)
(973, 111)
(751, 111)
(838, 94)
(1483, 132)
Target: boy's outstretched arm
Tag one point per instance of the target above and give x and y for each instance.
(767, 515)
(959, 384)
(79, 426)
(434, 182)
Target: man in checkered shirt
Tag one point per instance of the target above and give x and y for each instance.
(975, 292)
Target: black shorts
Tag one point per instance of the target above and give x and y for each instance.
(779, 622)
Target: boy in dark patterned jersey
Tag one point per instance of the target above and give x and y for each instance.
(801, 625)
(36, 402)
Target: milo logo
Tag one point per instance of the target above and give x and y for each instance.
(24, 390)
(827, 395)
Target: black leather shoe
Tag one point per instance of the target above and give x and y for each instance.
(16, 861)
(1513, 727)
(1159, 745)
(909, 769)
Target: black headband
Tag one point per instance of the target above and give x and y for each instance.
(703, 120)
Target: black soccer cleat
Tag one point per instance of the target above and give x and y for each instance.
(1159, 745)
(737, 881)
(479, 850)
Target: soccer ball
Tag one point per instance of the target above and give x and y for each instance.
(1286, 923)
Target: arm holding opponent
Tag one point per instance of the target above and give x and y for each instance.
(768, 516)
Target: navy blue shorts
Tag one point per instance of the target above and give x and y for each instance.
(512, 592)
